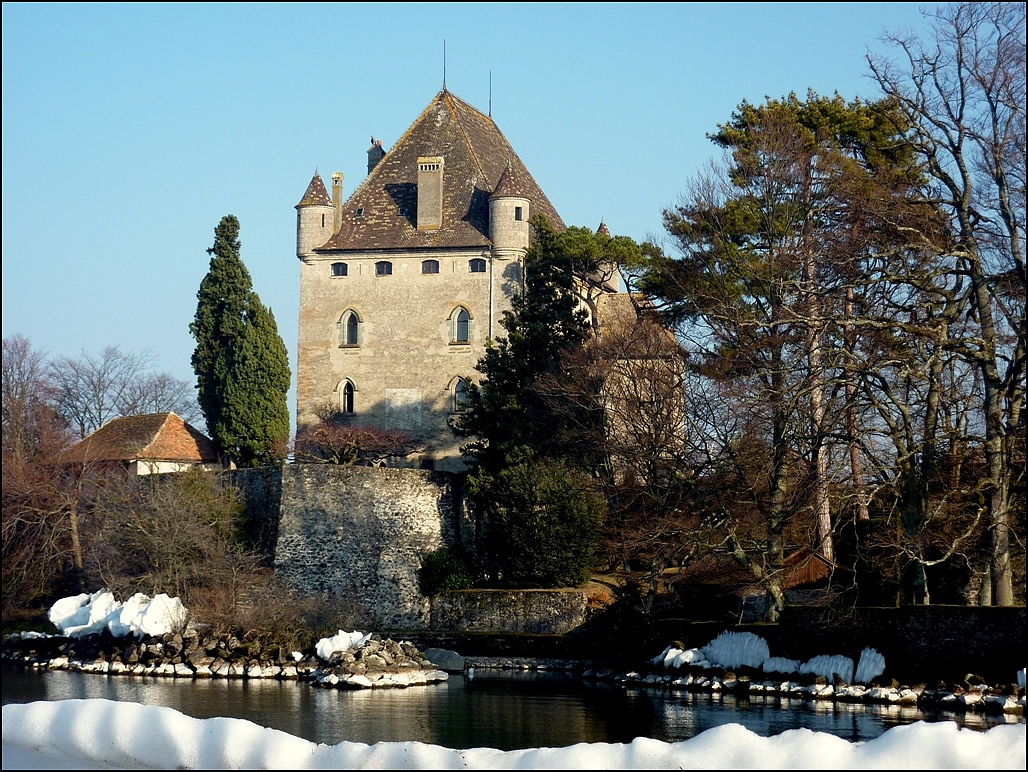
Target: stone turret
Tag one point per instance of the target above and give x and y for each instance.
(509, 210)
(314, 218)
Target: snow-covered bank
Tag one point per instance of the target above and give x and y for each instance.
(88, 734)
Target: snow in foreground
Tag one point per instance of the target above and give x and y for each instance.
(103, 734)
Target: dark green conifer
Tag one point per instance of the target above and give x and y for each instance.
(240, 361)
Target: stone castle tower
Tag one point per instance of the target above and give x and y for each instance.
(402, 284)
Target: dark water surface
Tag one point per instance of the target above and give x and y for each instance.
(494, 709)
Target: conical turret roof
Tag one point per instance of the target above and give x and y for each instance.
(509, 185)
(317, 194)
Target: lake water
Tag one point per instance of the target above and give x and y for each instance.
(495, 709)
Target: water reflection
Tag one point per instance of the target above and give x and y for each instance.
(498, 710)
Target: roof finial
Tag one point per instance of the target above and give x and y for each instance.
(444, 65)
(490, 93)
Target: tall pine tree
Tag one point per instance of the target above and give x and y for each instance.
(240, 361)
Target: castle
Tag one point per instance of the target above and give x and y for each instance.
(402, 285)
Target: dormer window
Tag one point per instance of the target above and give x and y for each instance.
(383, 268)
(359, 214)
(430, 266)
(477, 265)
(339, 269)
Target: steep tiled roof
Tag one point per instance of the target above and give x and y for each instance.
(475, 154)
(603, 229)
(157, 437)
(317, 194)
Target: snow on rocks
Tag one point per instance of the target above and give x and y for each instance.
(153, 637)
(84, 614)
(712, 669)
(371, 662)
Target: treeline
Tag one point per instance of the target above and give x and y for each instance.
(844, 393)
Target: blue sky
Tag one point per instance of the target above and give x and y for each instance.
(130, 130)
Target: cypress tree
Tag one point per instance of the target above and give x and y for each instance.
(240, 361)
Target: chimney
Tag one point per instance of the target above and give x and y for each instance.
(337, 201)
(430, 193)
(375, 154)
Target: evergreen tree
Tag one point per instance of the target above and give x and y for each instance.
(506, 413)
(240, 361)
(527, 454)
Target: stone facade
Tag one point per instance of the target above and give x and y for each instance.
(540, 612)
(402, 285)
(359, 533)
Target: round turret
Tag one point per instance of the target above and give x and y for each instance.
(314, 217)
(509, 210)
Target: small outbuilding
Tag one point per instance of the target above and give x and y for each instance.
(148, 444)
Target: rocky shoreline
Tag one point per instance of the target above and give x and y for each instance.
(378, 663)
(974, 695)
(386, 663)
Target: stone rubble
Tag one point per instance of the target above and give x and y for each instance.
(1009, 699)
(378, 663)
(384, 663)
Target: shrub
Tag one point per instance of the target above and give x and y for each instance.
(543, 520)
(445, 569)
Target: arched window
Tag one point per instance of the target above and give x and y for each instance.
(349, 328)
(460, 326)
(346, 397)
(339, 269)
(460, 396)
(477, 265)
(430, 266)
(383, 268)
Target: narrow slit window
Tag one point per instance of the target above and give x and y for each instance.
(460, 396)
(349, 329)
(462, 326)
(346, 398)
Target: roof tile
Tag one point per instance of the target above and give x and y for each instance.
(382, 212)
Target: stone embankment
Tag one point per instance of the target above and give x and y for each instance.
(973, 695)
(378, 663)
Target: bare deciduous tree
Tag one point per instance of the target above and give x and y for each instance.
(92, 389)
(963, 94)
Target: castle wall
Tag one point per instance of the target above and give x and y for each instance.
(539, 612)
(360, 532)
(406, 363)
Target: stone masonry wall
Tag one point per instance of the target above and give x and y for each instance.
(360, 533)
(543, 612)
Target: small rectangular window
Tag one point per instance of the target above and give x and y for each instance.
(519, 213)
